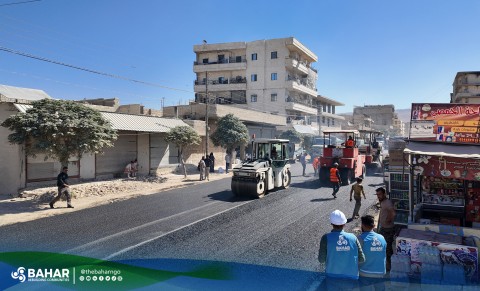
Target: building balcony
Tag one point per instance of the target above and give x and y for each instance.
(294, 45)
(294, 64)
(232, 84)
(298, 105)
(301, 85)
(227, 64)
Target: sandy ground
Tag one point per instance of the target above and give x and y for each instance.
(32, 203)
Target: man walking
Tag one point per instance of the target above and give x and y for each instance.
(335, 179)
(228, 160)
(386, 220)
(62, 188)
(303, 161)
(201, 168)
(341, 252)
(357, 191)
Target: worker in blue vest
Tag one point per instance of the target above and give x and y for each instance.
(375, 248)
(341, 252)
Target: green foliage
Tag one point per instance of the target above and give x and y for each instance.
(60, 129)
(292, 135)
(307, 142)
(230, 133)
(183, 136)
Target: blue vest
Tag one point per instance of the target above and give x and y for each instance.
(374, 247)
(342, 255)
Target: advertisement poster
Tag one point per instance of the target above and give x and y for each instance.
(445, 122)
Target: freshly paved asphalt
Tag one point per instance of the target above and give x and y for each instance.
(203, 222)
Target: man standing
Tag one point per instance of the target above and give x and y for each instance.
(62, 188)
(228, 160)
(201, 168)
(386, 222)
(374, 246)
(303, 161)
(335, 179)
(212, 163)
(341, 252)
(207, 167)
(357, 191)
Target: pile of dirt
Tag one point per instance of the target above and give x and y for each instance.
(100, 188)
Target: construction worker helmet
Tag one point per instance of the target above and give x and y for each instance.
(335, 164)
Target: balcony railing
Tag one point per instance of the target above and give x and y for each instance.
(221, 100)
(238, 80)
(229, 60)
(300, 101)
(301, 81)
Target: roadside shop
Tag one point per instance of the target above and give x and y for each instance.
(436, 194)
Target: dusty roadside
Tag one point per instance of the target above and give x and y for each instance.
(33, 202)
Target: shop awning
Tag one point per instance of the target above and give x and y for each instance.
(304, 129)
(442, 149)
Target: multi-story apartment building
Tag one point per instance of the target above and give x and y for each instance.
(274, 76)
(466, 88)
(383, 118)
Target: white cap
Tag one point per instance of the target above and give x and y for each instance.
(338, 218)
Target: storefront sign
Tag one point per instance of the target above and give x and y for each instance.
(445, 122)
(447, 167)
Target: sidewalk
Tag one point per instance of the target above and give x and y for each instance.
(33, 202)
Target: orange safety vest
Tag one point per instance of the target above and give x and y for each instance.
(333, 175)
(316, 162)
(350, 143)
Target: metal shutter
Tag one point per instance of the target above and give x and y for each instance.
(114, 159)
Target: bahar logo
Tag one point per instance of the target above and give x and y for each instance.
(342, 244)
(376, 245)
(19, 274)
(41, 275)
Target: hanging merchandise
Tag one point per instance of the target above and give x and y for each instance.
(444, 172)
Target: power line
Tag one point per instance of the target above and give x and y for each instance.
(88, 70)
(15, 3)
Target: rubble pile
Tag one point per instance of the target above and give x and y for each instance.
(101, 188)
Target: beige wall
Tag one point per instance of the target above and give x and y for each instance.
(12, 158)
(143, 153)
(87, 166)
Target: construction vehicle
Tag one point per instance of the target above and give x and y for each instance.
(372, 149)
(351, 163)
(267, 169)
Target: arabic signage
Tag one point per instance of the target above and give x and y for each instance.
(445, 122)
(447, 167)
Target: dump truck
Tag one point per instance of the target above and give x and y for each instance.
(267, 169)
(351, 163)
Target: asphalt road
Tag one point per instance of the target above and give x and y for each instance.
(204, 222)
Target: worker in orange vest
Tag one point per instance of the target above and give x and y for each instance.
(350, 143)
(315, 164)
(335, 179)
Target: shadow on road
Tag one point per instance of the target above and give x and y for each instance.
(309, 184)
(228, 196)
(322, 199)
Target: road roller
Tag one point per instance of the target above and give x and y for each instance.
(267, 168)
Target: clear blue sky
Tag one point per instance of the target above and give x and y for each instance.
(369, 52)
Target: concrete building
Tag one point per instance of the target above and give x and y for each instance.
(466, 88)
(379, 117)
(273, 76)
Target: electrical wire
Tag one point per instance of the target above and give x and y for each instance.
(8, 50)
(15, 3)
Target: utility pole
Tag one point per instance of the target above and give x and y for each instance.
(206, 114)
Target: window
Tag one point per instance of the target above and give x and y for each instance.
(254, 78)
(253, 98)
(274, 76)
(254, 57)
(205, 61)
(323, 119)
(238, 59)
(273, 97)
(221, 59)
(333, 122)
(273, 55)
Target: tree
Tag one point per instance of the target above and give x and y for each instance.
(60, 129)
(307, 142)
(292, 135)
(183, 137)
(230, 133)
